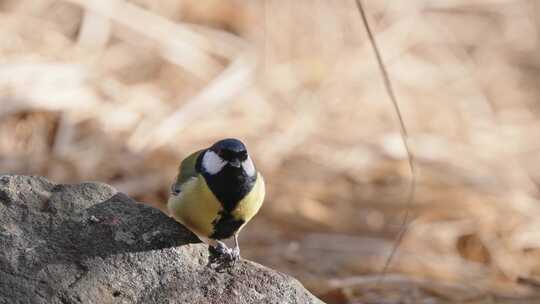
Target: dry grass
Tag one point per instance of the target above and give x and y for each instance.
(121, 91)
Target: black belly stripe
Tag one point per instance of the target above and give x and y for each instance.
(225, 226)
(230, 185)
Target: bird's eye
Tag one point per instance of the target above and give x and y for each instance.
(219, 152)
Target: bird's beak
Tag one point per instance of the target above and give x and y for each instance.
(235, 163)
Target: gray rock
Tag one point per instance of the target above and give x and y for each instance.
(86, 243)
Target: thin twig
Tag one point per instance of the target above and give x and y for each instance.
(404, 136)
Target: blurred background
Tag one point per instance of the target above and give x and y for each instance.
(121, 91)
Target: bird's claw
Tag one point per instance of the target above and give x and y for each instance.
(222, 249)
(225, 255)
(235, 254)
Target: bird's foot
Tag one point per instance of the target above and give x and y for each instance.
(222, 249)
(235, 254)
(221, 255)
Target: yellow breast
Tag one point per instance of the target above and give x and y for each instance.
(197, 208)
(252, 202)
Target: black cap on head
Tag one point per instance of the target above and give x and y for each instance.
(230, 149)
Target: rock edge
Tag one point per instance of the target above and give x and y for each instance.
(88, 243)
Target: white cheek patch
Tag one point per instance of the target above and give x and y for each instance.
(248, 166)
(212, 163)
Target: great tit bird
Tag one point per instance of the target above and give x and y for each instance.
(217, 191)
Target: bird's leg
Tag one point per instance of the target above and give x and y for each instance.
(217, 249)
(235, 252)
(222, 248)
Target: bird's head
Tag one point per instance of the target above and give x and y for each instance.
(228, 153)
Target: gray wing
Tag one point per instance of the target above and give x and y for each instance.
(186, 171)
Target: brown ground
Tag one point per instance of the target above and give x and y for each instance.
(121, 92)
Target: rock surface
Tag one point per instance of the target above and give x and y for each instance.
(87, 243)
